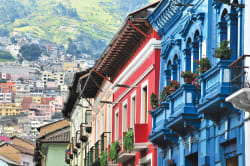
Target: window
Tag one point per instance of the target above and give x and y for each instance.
(144, 104)
(116, 124)
(133, 111)
(124, 117)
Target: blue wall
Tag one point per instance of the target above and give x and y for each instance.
(214, 132)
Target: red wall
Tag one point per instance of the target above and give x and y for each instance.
(153, 86)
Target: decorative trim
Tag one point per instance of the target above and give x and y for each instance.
(143, 85)
(135, 83)
(137, 62)
(133, 95)
(190, 21)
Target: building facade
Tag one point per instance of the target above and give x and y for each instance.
(195, 125)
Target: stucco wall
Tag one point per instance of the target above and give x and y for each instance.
(56, 154)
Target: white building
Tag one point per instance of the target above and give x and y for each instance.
(241, 98)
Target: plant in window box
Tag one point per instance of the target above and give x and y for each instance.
(188, 77)
(154, 100)
(104, 159)
(223, 51)
(114, 149)
(128, 143)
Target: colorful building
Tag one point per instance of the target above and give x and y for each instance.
(51, 145)
(39, 112)
(20, 151)
(195, 125)
(11, 109)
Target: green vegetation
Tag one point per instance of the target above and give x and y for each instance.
(154, 100)
(92, 23)
(104, 158)
(128, 143)
(6, 56)
(114, 150)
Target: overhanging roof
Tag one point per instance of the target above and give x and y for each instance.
(125, 43)
(73, 95)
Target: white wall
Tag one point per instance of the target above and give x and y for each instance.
(247, 52)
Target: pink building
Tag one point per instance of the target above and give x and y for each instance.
(39, 112)
(56, 105)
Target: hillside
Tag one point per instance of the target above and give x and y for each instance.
(90, 22)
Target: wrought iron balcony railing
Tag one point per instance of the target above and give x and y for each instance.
(239, 73)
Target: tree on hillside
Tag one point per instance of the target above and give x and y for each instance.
(31, 52)
(72, 48)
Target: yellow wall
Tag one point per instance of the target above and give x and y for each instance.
(10, 109)
(36, 99)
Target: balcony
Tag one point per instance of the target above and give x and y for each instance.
(183, 112)
(215, 87)
(240, 83)
(160, 134)
(141, 141)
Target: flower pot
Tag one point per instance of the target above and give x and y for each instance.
(78, 145)
(88, 129)
(84, 138)
(172, 90)
(188, 80)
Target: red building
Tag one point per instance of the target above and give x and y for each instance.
(26, 102)
(134, 56)
(46, 100)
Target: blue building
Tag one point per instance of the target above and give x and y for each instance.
(196, 126)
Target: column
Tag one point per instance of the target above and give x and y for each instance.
(187, 58)
(232, 23)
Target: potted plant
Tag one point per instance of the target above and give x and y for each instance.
(173, 85)
(128, 143)
(114, 149)
(223, 51)
(104, 159)
(154, 100)
(164, 94)
(84, 138)
(88, 129)
(204, 65)
(169, 89)
(188, 77)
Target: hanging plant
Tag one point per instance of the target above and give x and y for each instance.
(154, 100)
(114, 149)
(104, 159)
(128, 143)
(223, 51)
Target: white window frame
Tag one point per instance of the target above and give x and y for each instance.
(143, 85)
(133, 95)
(116, 128)
(124, 128)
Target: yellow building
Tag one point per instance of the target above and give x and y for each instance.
(69, 66)
(36, 99)
(11, 109)
(59, 77)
